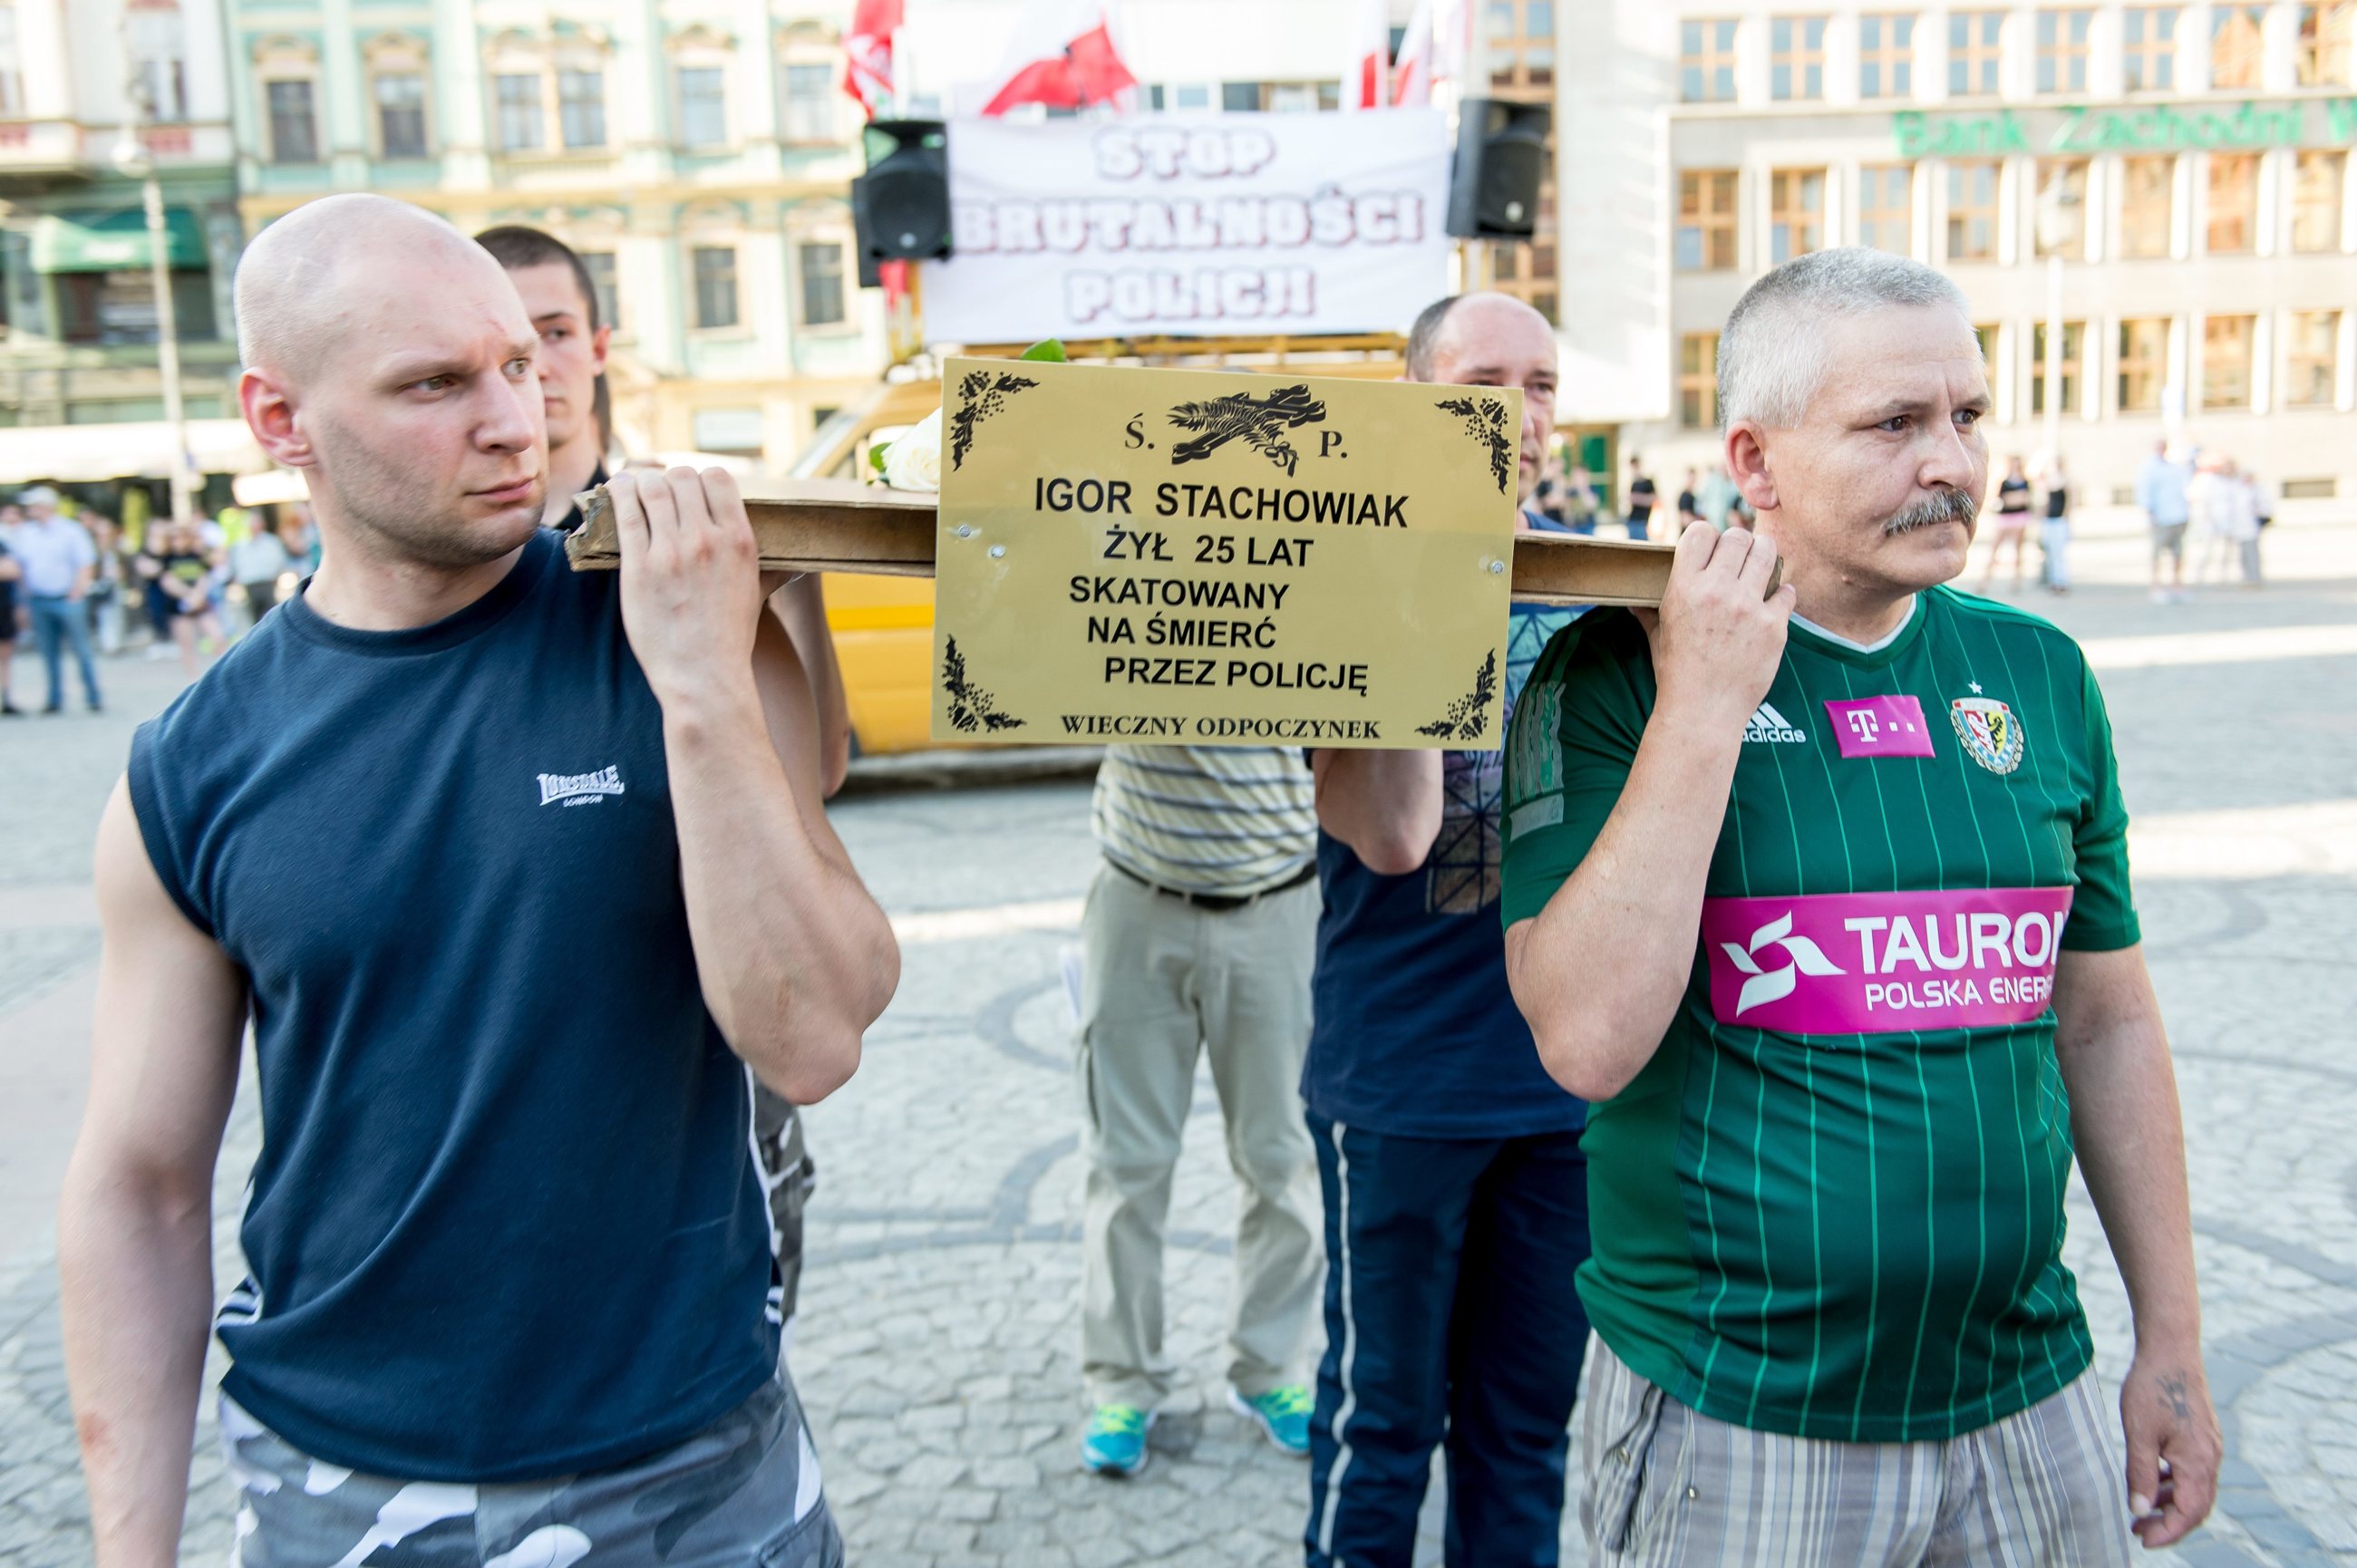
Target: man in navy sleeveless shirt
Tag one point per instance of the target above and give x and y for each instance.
(1455, 1190)
(516, 873)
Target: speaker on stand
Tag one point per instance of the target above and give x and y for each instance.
(1501, 157)
(901, 207)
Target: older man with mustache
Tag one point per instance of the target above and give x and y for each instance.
(1821, 895)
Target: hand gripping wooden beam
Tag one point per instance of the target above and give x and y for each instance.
(838, 525)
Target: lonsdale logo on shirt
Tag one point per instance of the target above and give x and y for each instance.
(1867, 964)
(579, 788)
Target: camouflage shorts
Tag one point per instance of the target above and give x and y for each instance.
(742, 1493)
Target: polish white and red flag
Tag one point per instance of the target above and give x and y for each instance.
(1411, 76)
(867, 52)
(1064, 56)
(1367, 80)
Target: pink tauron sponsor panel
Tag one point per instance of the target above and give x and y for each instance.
(1845, 964)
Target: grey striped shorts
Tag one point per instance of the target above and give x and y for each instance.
(1666, 1485)
(742, 1493)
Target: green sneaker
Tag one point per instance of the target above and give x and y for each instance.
(1283, 1413)
(1114, 1442)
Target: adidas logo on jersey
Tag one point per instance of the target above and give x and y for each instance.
(1768, 725)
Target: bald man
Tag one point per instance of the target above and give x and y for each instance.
(520, 876)
(1455, 1190)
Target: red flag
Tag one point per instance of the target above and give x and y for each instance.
(1064, 56)
(1364, 86)
(1412, 78)
(867, 52)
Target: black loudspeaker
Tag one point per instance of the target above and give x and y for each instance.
(901, 207)
(1502, 156)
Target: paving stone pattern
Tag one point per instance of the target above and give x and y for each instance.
(937, 1344)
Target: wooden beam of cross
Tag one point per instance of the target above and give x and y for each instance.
(839, 525)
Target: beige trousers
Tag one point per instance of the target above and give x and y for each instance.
(1162, 982)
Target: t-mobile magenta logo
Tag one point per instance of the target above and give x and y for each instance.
(1801, 957)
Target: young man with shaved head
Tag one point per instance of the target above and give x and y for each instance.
(1820, 894)
(515, 872)
(1456, 1193)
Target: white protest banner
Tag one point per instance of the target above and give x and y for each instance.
(1155, 225)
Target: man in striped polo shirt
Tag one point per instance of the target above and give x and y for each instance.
(1197, 942)
(1845, 1039)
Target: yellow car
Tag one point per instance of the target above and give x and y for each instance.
(883, 630)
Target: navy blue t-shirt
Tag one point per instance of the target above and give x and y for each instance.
(1414, 1031)
(505, 1223)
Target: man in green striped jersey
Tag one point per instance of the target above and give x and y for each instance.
(1822, 895)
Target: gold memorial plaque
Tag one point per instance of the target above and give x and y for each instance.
(1201, 558)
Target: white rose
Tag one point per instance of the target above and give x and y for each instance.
(914, 461)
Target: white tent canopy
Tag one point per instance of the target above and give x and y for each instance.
(86, 454)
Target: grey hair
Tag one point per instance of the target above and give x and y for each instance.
(1772, 354)
(1424, 337)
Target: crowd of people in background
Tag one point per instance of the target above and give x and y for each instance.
(82, 586)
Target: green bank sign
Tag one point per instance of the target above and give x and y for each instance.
(2162, 128)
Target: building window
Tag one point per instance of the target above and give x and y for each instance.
(703, 107)
(2062, 51)
(1971, 211)
(2237, 43)
(1698, 381)
(2316, 181)
(1796, 58)
(2074, 338)
(1886, 56)
(2148, 206)
(1707, 61)
(1988, 334)
(2144, 363)
(2312, 366)
(12, 76)
(519, 100)
(294, 129)
(716, 285)
(401, 114)
(1886, 207)
(821, 269)
(2062, 192)
(581, 107)
(1974, 39)
(2148, 40)
(1706, 221)
(159, 58)
(605, 296)
(2233, 206)
(1538, 19)
(1796, 212)
(2226, 342)
(2325, 35)
(810, 102)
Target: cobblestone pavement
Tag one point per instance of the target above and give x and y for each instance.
(938, 1337)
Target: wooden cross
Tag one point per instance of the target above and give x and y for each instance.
(840, 525)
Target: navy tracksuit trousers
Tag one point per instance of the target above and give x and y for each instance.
(1450, 1319)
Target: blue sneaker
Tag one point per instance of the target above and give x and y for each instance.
(1114, 1442)
(1282, 1414)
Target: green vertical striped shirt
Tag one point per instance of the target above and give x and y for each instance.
(1830, 1205)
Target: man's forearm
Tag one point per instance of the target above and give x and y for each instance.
(2129, 1134)
(1385, 804)
(795, 957)
(1600, 971)
(136, 1281)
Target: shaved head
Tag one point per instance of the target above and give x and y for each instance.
(390, 358)
(1492, 340)
(296, 281)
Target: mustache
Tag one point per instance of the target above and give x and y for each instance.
(1941, 506)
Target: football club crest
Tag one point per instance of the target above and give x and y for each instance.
(1992, 736)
